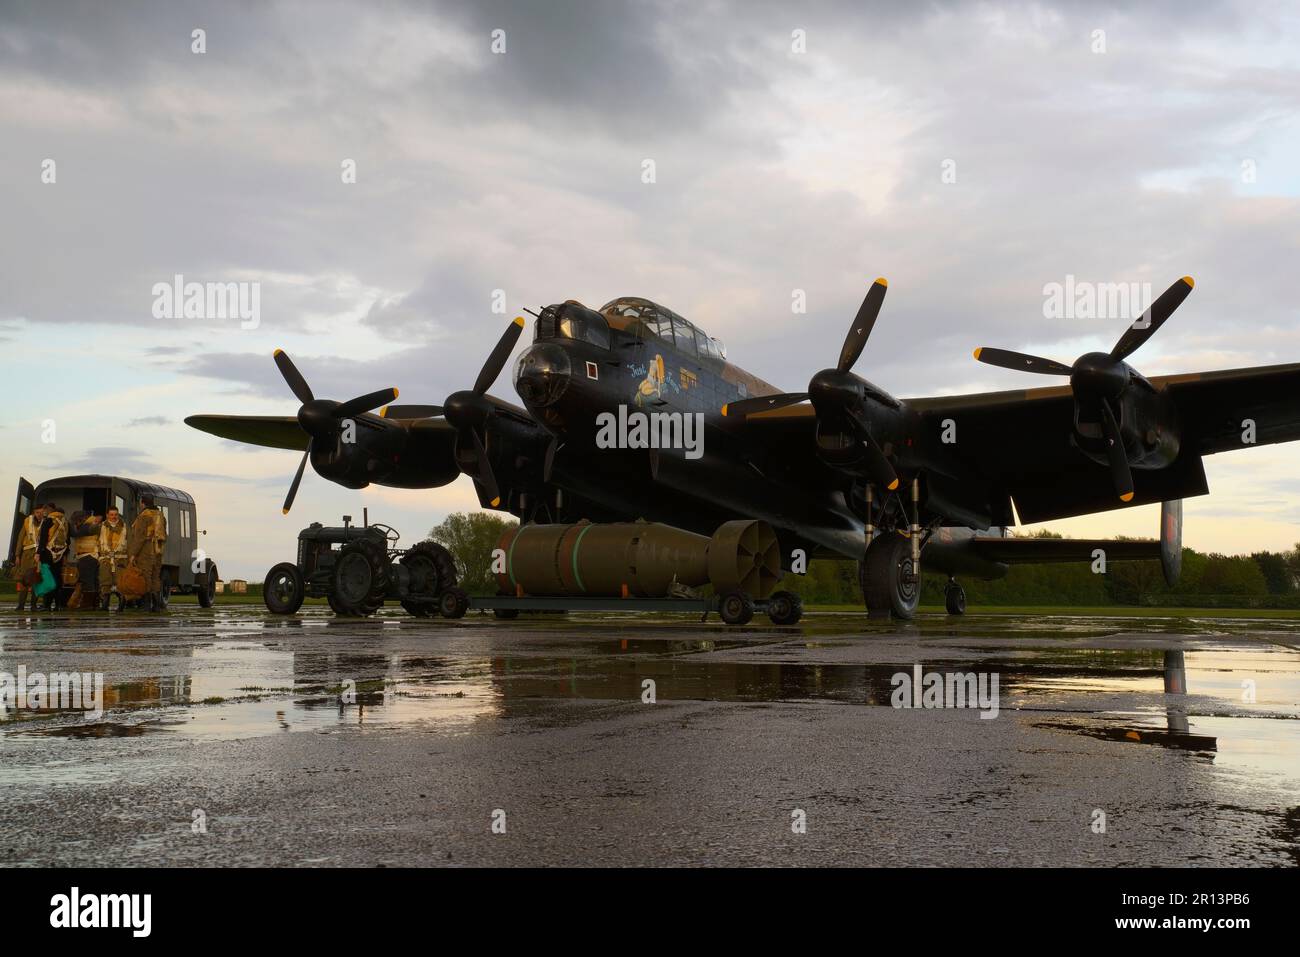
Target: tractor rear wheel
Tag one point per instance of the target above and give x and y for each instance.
(359, 582)
(432, 572)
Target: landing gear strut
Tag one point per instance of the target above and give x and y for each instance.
(954, 597)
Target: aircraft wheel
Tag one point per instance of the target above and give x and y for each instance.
(453, 603)
(360, 578)
(282, 590)
(736, 608)
(885, 574)
(954, 598)
(208, 591)
(785, 608)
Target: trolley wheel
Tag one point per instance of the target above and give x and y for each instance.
(282, 590)
(785, 608)
(736, 608)
(453, 603)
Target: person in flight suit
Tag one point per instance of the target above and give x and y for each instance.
(25, 553)
(85, 550)
(112, 554)
(146, 540)
(51, 546)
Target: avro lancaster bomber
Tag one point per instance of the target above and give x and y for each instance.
(843, 469)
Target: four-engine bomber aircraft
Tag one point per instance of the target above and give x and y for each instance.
(841, 470)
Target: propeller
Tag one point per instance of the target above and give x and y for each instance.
(468, 411)
(838, 391)
(320, 418)
(854, 342)
(1098, 379)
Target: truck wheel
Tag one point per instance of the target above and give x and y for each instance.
(282, 589)
(432, 572)
(885, 575)
(736, 608)
(785, 608)
(208, 590)
(359, 582)
(164, 589)
(453, 603)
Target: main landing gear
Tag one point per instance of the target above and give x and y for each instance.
(890, 571)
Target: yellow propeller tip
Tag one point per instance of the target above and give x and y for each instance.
(893, 485)
(496, 501)
(882, 281)
(724, 410)
(1191, 283)
(395, 394)
(383, 413)
(1126, 497)
(284, 511)
(519, 320)
(978, 351)
(277, 352)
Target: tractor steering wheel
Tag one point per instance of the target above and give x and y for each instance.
(390, 533)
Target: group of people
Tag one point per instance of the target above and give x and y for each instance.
(102, 547)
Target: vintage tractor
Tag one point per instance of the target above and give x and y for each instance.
(356, 568)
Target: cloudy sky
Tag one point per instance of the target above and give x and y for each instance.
(972, 153)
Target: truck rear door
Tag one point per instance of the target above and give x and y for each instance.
(22, 508)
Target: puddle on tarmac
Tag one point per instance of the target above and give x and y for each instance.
(1245, 700)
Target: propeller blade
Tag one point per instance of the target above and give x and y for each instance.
(412, 411)
(364, 403)
(856, 340)
(882, 472)
(1020, 361)
(297, 480)
(485, 476)
(549, 463)
(292, 376)
(500, 353)
(1153, 318)
(762, 403)
(1119, 469)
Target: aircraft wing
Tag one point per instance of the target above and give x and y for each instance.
(1019, 440)
(1020, 551)
(1214, 405)
(271, 431)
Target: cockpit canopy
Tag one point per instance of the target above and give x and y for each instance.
(572, 320)
(642, 317)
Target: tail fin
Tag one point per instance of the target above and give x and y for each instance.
(1171, 540)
